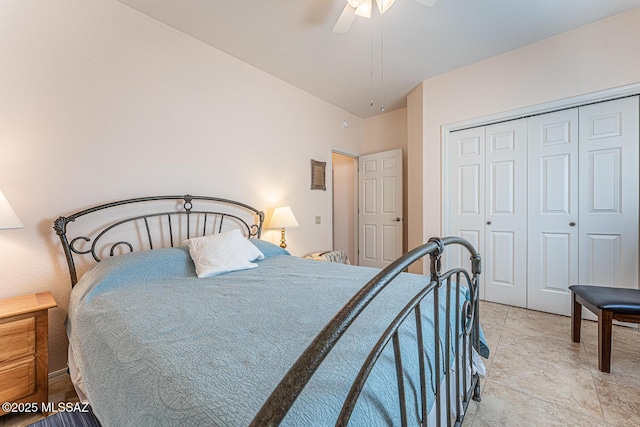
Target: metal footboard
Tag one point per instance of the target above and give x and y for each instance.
(466, 320)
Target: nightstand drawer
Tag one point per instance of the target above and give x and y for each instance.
(17, 379)
(17, 338)
(24, 351)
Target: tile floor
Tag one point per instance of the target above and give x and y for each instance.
(536, 376)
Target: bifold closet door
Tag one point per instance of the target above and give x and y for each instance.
(550, 201)
(583, 201)
(466, 172)
(488, 205)
(609, 179)
(505, 263)
(553, 210)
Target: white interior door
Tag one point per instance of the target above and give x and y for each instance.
(466, 172)
(380, 215)
(609, 193)
(553, 210)
(505, 265)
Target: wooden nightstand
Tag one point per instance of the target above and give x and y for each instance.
(24, 348)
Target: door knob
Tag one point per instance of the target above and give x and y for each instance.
(397, 219)
(488, 222)
(573, 224)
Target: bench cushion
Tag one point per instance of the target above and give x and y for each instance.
(619, 300)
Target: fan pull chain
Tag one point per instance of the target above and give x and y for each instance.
(371, 61)
(382, 62)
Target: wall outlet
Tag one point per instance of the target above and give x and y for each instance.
(318, 220)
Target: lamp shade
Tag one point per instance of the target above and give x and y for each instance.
(283, 217)
(8, 218)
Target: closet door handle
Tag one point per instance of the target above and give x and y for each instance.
(488, 222)
(572, 224)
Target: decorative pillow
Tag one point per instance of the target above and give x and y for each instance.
(269, 249)
(222, 253)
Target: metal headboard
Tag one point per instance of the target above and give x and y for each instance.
(206, 219)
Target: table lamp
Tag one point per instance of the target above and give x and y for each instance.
(8, 218)
(283, 217)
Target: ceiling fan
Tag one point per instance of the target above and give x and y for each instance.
(363, 8)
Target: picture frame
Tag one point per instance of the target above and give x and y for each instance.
(318, 175)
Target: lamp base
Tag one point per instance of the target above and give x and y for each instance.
(283, 242)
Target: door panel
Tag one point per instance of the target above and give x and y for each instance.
(369, 195)
(553, 207)
(603, 251)
(389, 195)
(506, 219)
(380, 208)
(469, 193)
(502, 185)
(466, 166)
(555, 261)
(501, 256)
(605, 175)
(368, 249)
(389, 249)
(609, 193)
(556, 182)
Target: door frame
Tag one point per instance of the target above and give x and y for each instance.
(547, 107)
(356, 232)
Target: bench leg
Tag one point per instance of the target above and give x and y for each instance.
(605, 321)
(576, 318)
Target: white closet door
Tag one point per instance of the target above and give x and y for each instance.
(609, 193)
(466, 165)
(553, 210)
(505, 264)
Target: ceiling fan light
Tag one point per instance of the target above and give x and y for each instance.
(364, 9)
(384, 5)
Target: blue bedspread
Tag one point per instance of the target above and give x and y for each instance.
(158, 346)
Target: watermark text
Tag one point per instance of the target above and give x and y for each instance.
(28, 407)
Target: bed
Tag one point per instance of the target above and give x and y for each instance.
(287, 340)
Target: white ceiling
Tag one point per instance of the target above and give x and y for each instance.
(292, 39)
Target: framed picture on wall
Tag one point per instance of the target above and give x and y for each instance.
(318, 175)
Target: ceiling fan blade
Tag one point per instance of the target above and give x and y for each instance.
(345, 20)
(427, 3)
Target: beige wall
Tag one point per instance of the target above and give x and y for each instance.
(592, 58)
(415, 181)
(99, 102)
(385, 132)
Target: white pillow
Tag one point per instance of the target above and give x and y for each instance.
(221, 253)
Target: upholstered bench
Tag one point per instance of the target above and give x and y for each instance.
(608, 304)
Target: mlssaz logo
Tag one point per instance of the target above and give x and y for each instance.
(65, 407)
